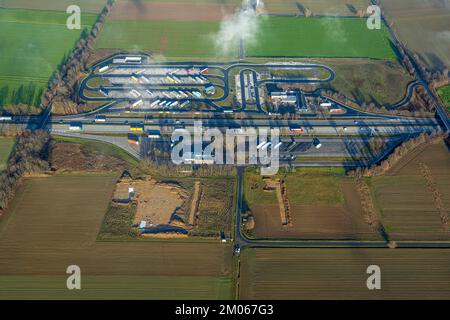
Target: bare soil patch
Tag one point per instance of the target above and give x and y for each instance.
(318, 221)
(175, 11)
(156, 202)
(72, 157)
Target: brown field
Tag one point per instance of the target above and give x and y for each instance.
(215, 209)
(60, 5)
(341, 274)
(317, 221)
(175, 11)
(424, 25)
(318, 7)
(405, 202)
(322, 206)
(76, 157)
(53, 223)
(436, 156)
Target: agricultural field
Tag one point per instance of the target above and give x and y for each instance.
(341, 274)
(82, 155)
(169, 38)
(6, 146)
(174, 29)
(380, 82)
(407, 206)
(444, 94)
(90, 6)
(216, 207)
(61, 217)
(319, 37)
(323, 205)
(318, 7)
(34, 43)
(423, 25)
(175, 10)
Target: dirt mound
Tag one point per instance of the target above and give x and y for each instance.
(72, 157)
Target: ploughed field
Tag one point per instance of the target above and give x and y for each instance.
(414, 195)
(341, 273)
(323, 204)
(90, 6)
(318, 7)
(53, 222)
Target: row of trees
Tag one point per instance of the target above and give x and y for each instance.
(29, 156)
(417, 106)
(28, 94)
(62, 92)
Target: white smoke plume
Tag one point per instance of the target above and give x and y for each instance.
(243, 24)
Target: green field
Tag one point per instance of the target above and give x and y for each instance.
(53, 222)
(319, 37)
(444, 93)
(192, 39)
(305, 186)
(6, 145)
(34, 43)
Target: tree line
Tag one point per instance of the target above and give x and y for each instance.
(62, 92)
(29, 156)
(27, 94)
(398, 153)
